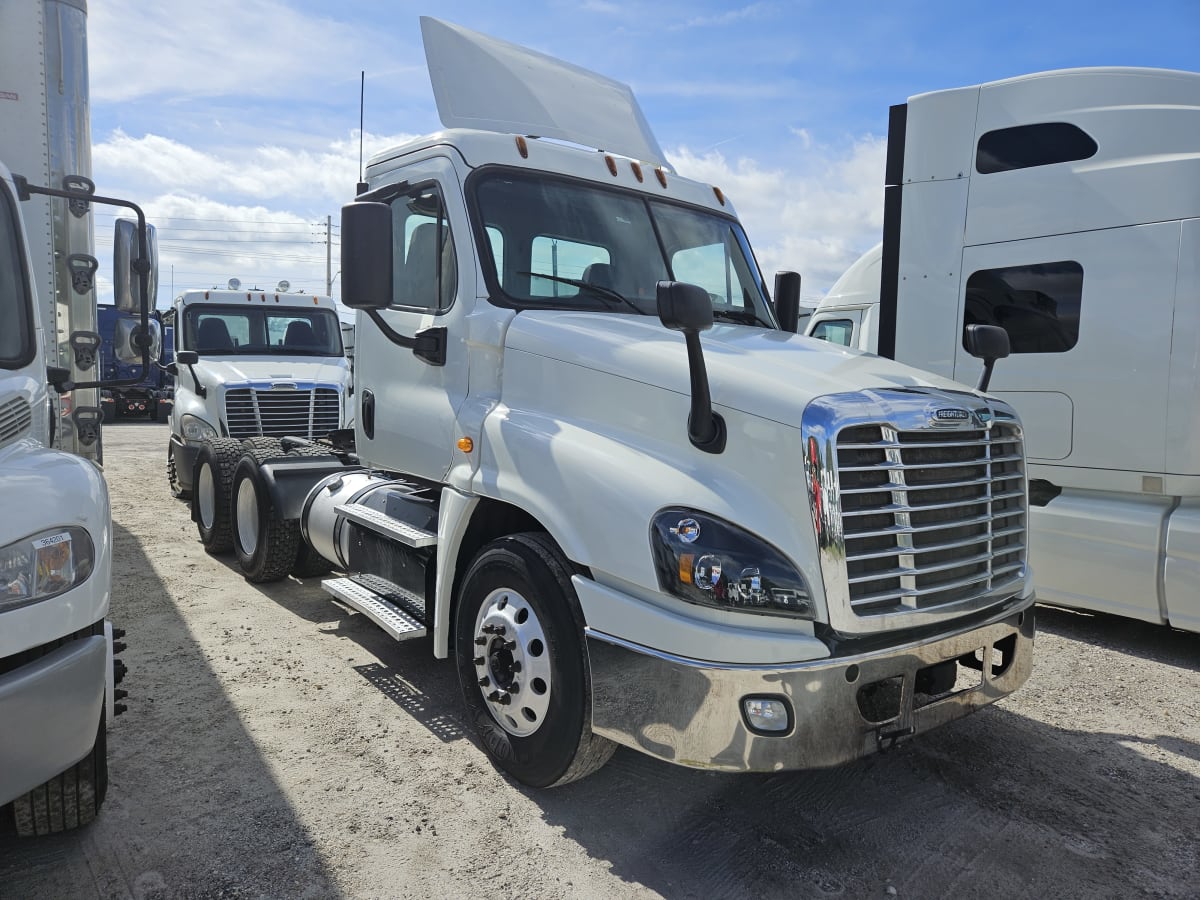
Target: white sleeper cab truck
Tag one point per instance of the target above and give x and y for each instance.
(58, 674)
(251, 364)
(589, 462)
(1063, 207)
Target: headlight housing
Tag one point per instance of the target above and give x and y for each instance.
(44, 565)
(711, 562)
(196, 429)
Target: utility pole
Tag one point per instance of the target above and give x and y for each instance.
(329, 256)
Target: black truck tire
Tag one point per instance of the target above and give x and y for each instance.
(212, 480)
(68, 800)
(266, 545)
(527, 688)
(178, 491)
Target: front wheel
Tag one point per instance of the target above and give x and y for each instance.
(68, 800)
(521, 663)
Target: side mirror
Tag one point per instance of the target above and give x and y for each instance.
(129, 339)
(187, 357)
(989, 343)
(684, 307)
(127, 261)
(687, 308)
(367, 255)
(787, 300)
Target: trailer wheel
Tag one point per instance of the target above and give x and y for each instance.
(211, 483)
(178, 491)
(265, 544)
(522, 666)
(69, 799)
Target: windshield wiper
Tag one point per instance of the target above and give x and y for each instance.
(745, 316)
(605, 293)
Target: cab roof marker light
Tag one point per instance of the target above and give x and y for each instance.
(612, 164)
(637, 171)
(719, 195)
(662, 175)
(522, 147)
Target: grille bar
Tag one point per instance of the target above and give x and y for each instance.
(16, 416)
(254, 412)
(929, 517)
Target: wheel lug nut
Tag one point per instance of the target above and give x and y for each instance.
(514, 687)
(510, 645)
(494, 696)
(484, 681)
(504, 699)
(480, 641)
(516, 666)
(489, 629)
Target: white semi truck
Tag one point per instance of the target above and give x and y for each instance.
(1064, 207)
(591, 464)
(58, 673)
(251, 363)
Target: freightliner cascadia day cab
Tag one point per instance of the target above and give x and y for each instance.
(1064, 207)
(254, 363)
(591, 464)
(58, 674)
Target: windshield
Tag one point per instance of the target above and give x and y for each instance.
(573, 245)
(16, 327)
(250, 330)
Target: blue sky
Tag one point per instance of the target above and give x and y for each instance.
(235, 122)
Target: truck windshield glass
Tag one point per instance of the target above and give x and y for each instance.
(249, 330)
(571, 245)
(16, 338)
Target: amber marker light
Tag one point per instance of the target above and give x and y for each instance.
(522, 147)
(720, 196)
(637, 172)
(686, 564)
(612, 164)
(465, 444)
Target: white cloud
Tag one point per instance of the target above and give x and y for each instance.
(187, 49)
(815, 218)
(729, 17)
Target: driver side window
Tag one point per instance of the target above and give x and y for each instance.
(424, 265)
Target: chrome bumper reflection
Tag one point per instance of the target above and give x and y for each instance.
(689, 712)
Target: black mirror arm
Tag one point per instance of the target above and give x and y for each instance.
(429, 344)
(201, 390)
(706, 428)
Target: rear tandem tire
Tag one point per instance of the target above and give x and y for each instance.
(265, 544)
(212, 479)
(71, 798)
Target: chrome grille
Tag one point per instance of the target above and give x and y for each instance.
(15, 418)
(930, 517)
(272, 412)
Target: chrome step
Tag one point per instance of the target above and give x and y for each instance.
(376, 607)
(406, 534)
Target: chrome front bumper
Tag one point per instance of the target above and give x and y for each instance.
(689, 712)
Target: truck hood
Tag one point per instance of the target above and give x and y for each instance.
(761, 372)
(274, 369)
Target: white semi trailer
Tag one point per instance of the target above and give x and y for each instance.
(1063, 207)
(591, 464)
(58, 673)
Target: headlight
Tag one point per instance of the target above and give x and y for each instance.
(196, 429)
(44, 565)
(706, 560)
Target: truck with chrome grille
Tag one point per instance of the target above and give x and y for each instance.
(251, 364)
(593, 463)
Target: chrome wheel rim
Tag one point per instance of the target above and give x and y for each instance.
(512, 662)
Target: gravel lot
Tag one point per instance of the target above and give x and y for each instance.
(278, 745)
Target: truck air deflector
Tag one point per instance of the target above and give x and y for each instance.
(487, 84)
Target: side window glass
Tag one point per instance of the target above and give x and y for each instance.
(424, 265)
(16, 345)
(836, 331)
(566, 259)
(1037, 305)
(1027, 146)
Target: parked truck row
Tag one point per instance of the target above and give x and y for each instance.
(1063, 207)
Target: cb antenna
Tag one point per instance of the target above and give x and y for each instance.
(362, 92)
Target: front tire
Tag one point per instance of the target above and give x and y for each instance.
(212, 479)
(522, 666)
(178, 491)
(68, 800)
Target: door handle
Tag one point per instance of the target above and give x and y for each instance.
(367, 415)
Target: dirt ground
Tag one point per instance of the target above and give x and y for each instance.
(278, 745)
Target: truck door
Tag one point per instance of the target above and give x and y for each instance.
(406, 406)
